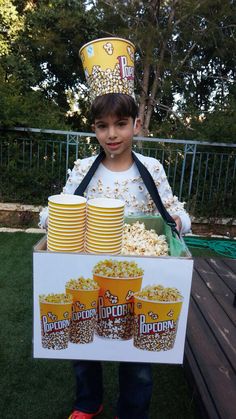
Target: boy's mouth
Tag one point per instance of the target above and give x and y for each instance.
(113, 146)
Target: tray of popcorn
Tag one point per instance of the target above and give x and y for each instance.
(55, 318)
(84, 292)
(109, 66)
(156, 314)
(140, 241)
(105, 220)
(66, 223)
(118, 281)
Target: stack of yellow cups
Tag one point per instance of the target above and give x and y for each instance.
(105, 220)
(66, 223)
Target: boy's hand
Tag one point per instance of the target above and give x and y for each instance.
(178, 222)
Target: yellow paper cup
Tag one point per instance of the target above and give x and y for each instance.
(102, 252)
(109, 66)
(68, 216)
(104, 237)
(116, 306)
(111, 232)
(66, 201)
(65, 239)
(106, 212)
(55, 324)
(84, 314)
(103, 240)
(63, 250)
(155, 323)
(103, 244)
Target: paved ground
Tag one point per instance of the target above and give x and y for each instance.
(27, 230)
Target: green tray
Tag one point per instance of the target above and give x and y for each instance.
(177, 246)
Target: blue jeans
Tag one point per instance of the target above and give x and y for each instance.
(135, 383)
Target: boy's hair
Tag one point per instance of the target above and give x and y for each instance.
(117, 104)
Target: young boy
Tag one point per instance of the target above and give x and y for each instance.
(115, 122)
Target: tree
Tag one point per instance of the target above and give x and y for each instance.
(39, 61)
(185, 63)
(54, 31)
(10, 25)
(183, 50)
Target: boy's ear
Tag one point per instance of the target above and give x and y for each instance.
(93, 127)
(137, 126)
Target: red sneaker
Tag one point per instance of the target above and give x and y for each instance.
(77, 414)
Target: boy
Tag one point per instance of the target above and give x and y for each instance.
(115, 122)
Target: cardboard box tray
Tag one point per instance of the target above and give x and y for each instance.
(51, 270)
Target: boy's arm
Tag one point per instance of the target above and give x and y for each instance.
(171, 202)
(178, 221)
(74, 179)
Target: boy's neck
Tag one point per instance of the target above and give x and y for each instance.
(118, 163)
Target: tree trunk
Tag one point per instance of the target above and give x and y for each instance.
(144, 94)
(152, 99)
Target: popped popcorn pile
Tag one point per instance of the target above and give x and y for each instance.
(139, 241)
(159, 293)
(55, 298)
(117, 269)
(107, 81)
(82, 284)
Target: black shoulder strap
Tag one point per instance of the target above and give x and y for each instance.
(147, 180)
(87, 178)
(153, 191)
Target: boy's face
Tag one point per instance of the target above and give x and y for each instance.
(115, 134)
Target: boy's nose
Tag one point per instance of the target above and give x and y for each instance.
(112, 132)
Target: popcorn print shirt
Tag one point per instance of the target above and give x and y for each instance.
(126, 185)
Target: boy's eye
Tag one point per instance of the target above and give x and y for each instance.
(101, 126)
(122, 123)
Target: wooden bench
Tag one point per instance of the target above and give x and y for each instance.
(210, 351)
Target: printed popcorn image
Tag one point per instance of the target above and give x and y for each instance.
(119, 79)
(156, 311)
(108, 48)
(131, 53)
(111, 305)
(118, 281)
(55, 317)
(84, 293)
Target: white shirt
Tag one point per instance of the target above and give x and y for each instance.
(128, 186)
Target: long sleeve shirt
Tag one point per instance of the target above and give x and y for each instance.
(128, 186)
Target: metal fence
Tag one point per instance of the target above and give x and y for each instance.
(34, 164)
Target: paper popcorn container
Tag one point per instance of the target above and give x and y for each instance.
(66, 201)
(75, 249)
(109, 204)
(105, 223)
(155, 323)
(106, 231)
(67, 214)
(109, 66)
(106, 212)
(55, 324)
(102, 239)
(84, 314)
(76, 215)
(102, 250)
(115, 222)
(116, 306)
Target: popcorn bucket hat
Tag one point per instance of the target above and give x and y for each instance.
(109, 66)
